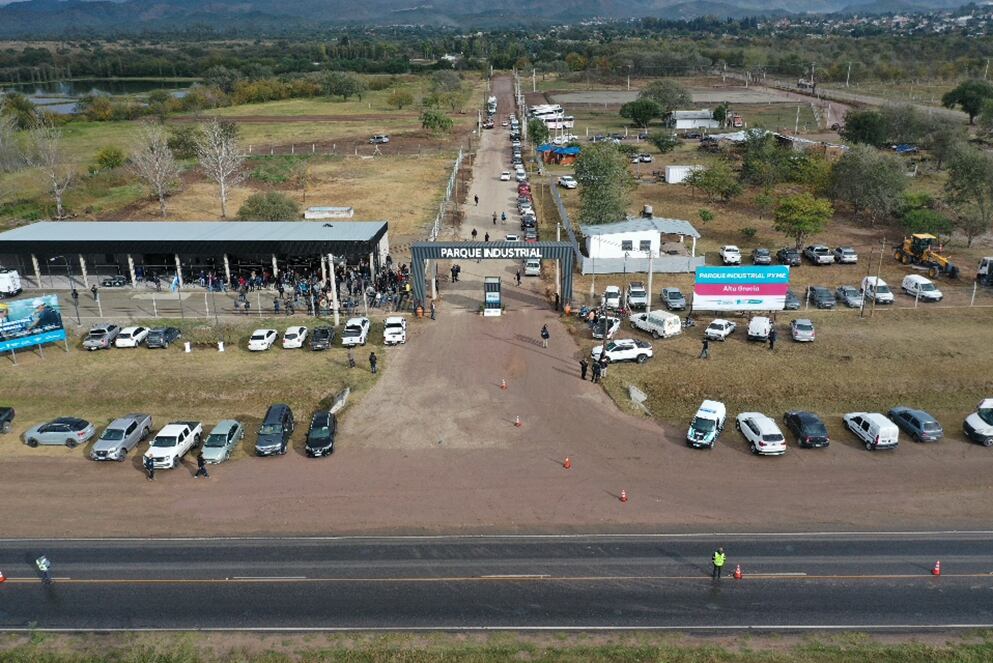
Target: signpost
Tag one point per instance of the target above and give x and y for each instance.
(746, 288)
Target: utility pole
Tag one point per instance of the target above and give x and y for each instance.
(796, 127)
(648, 306)
(879, 268)
(848, 76)
(534, 79)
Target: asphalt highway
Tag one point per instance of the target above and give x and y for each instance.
(790, 582)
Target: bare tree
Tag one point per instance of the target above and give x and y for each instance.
(46, 151)
(154, 162)
(220, 158)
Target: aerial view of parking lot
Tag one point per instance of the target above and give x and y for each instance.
(387, 340)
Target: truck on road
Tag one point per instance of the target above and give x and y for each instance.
(173, 442)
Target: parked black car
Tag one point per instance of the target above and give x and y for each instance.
(275, 431)
(162, 337)
(788, 256)
(320, 437)
(321, 338)
(114, 282)
(810, 431)
(918, 424)
(761, 257)
(6, 419)
(820, 297)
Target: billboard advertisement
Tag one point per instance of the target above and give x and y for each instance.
(745, 288)
(28, 322)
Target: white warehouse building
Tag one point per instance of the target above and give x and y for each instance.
(692, 119)
(613, 248)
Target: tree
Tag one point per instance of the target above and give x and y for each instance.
(871, 181)
(717, 181)
(537, 131)
(269, 206)
(220, 158)
(400, 98)
(444, 81)
(46, 151)
(109, 158)
(606, 182)
(663, 142)
(986, 118)
(436, 121)
(341, 84)
(800, 216)
(153, 162)
(221, 77)
(925, 221)
(641, 112)
(906, 123)
(721, 112)
(944, 141)
(970, 96)
(20, 109)
(971, 224)
(764, 163)
(10, 155)
(868, 127)
(183, 141)
(668, 94)
(969, 188)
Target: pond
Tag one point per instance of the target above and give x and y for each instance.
(58, 96)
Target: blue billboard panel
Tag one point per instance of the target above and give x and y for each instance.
(25, 323)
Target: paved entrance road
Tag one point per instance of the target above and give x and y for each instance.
(791, 582)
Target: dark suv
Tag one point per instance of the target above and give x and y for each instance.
(275, 431)
(788, 256)
(322, 338)
(6, 419)
(320, 437)
(162, 337)
(820, 297)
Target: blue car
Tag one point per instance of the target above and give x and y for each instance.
(918, 424)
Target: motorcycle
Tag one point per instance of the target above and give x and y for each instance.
(43, 566)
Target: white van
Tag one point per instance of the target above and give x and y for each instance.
(10, 283)
(759, 328)
(874, 287)
(921, 288)
(660, 324)
(532, 267)
(875, 430)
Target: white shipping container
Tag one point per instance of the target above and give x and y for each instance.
(678, 174)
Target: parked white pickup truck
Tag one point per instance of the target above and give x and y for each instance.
(173, 442)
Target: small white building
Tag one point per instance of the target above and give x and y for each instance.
(317, 213)
(678, 174)
(682, 120)
(636, 238)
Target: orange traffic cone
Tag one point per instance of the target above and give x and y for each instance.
(567, 464)
(737, 572)
(2, 576)
(936, 571)
(503, 384)
(517, 421)
(624, 496)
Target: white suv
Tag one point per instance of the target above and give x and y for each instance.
(395, 330)
(720, 329)
(762, 434)
(730, 254)
(568, 182)
(356, 332)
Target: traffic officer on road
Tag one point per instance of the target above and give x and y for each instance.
(718, 559)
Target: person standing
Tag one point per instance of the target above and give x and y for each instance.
(772, 339)
(544, 336)
(494, 218)
(474, 233)
(201, 467)
(93, 289)
(718, 559)
(149, 468)
(75, 295)
(351, 357)
(517, 276)
(486, 237)
(372, 362)
(596, 372)
(476, 199)
(432, 309)
(583, 366)
(705, 350)
(455, 275)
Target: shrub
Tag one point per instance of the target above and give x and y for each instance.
(270, 206)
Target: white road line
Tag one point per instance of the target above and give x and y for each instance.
(776, 575)
(539, 537)
(515, 576)
(456, 628)
(267, 578)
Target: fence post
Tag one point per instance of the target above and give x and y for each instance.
(975, 284)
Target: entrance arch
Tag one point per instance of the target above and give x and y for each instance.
(422, 252)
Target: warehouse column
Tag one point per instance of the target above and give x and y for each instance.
(693, 248)
(372, 266)
(134, 279)
(179, 271)
(275, 269)
(227, 270)
(324, 271)
(82, 270)
(37, 271)
(334, 289)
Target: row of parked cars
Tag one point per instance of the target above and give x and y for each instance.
(177, 438)
(355, 333)
(816, 254)
(106, 336)
(875, 430)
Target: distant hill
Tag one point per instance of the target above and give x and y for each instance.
(58, 17)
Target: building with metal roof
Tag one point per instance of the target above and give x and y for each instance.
(637, 245)
(130, 247)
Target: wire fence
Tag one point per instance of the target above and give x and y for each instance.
(447, 199)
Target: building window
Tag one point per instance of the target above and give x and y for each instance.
(626, 245)
(646, 245)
